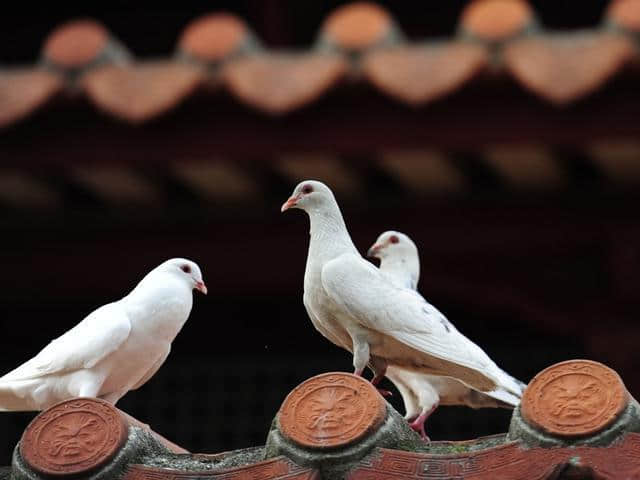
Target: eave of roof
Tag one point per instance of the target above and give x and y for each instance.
(359, 43)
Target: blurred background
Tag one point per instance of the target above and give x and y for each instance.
(502, 136)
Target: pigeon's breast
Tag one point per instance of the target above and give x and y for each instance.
(323, 312)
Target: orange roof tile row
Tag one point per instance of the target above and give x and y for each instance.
(357, 42)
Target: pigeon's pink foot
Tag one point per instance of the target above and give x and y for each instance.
(376, 380)
(418, 427)
(418, 424)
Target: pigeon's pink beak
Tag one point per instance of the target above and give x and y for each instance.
(373, 251)
(202, 287)
(290, 203)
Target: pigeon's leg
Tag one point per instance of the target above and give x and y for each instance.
(379, 367)
(360, 354)
(418, 424)
(89, 390)
(85, 383)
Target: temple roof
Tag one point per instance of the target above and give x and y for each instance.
(357, 44)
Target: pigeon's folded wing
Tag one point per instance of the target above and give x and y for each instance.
(98, 335)
(402, 314)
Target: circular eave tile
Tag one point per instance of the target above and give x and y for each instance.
(419, 74)
(279, 83)
(357, 26)
(214, 37)
(76, 43)
(331, 410)
(625, 13)
(142, 91)
(23, 91)
(565, 67)
(574, 398)
(73, 437)
(495, 20)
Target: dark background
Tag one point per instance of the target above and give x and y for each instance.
(534, 278)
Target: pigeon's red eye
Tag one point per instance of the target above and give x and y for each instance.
(394, 239)
(307, 189)
(185, 268)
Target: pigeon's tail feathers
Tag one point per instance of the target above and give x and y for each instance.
(509, 389)
(503, 398)
(509, 384)
(14, 396)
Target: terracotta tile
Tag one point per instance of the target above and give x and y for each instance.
(214, 37)
(278, 83)
(422, 73)
(76, 43)
(23, 91)
(508, 461)
(298, 166)
(357, 26)
(117, 184)
(23, 190)
(85, 433)
(331, 410)
(625, 13)
(593, 395)
(218, 179)
(495, 20)
(526, 166)
(564, 67)
(138, 92)
(279, 468)
(423, 171)
(619, 161)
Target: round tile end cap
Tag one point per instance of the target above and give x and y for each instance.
(73, 437)
(331, 410)
(574, 398)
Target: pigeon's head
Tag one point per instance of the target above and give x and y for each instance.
(393, 244)
(187, 270)
(309, 195)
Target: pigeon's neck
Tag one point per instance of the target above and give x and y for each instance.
(402, 272)
(329, 235)
(157, 287)
(159, 305)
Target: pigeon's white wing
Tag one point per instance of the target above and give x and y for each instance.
(405, 316)
(95, 337)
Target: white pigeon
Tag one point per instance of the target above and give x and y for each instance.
(356, 307)
(422, 393)
(116, 348)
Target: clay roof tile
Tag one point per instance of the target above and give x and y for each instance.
(278, 83)
(625, 14)
(141, 91)
(565, 67)
(76, 43)
(422, 73)
(214, 37)
(24, 90)
(496, 20)
(357, 26)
